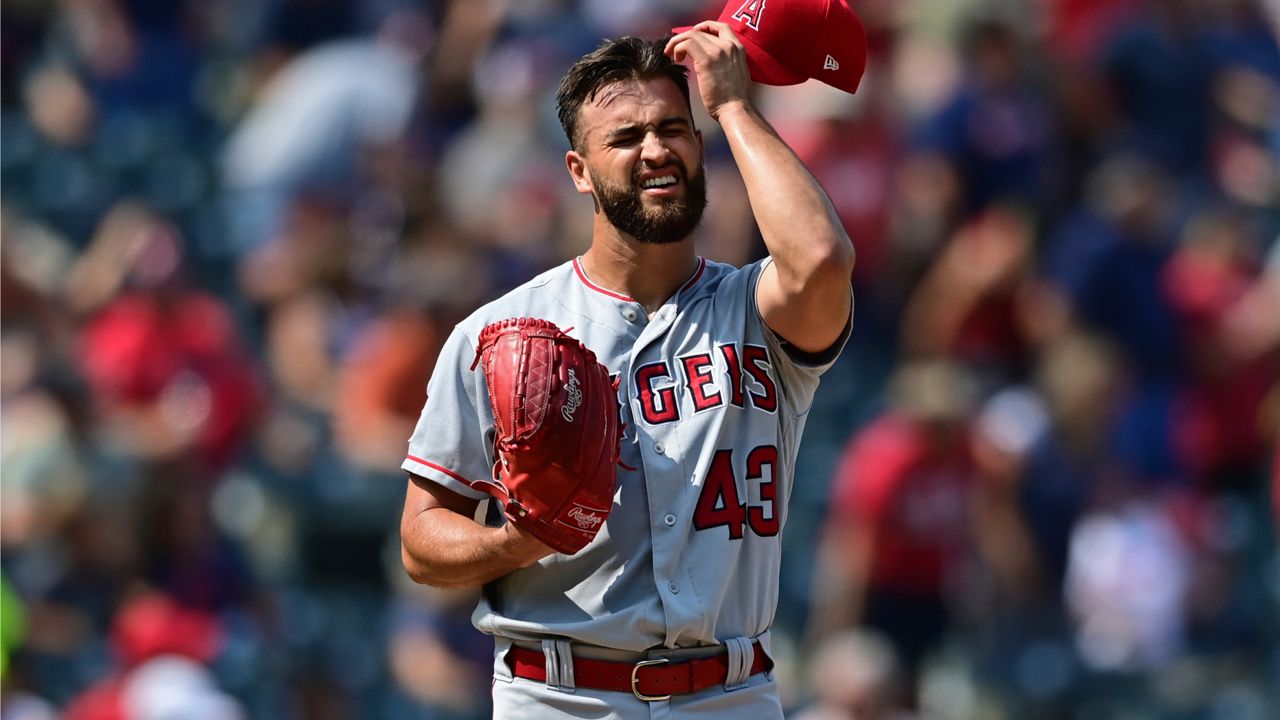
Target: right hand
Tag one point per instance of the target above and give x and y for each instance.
(719, 61)
(523, 546)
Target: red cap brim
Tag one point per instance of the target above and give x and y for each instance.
(764, 68)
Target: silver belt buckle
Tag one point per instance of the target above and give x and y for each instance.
(635, 680)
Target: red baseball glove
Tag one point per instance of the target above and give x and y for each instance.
(558, 431)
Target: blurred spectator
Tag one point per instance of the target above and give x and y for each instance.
(1106, 262)
(1078, 29)
(380, 386)
(41, 456)
(437, 659)
(135, 53)
(854, 676)
(24, 706)
(1250, 329)
(164, 362)
(184, 551)
(968, 305)
(74, 595)
(1038, 451)
(995, 130)
(154, 624)
(168, 688)
(1219, 429)
(1009, 515)
(159, 647)
(1127, 584)
(898, 527)
(317, 123)
(498, 173)
(61, 108)
(1159, 68)
(849, 144)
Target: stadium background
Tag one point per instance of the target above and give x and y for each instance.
(236, 232)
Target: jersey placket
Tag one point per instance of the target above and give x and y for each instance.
(665, 477)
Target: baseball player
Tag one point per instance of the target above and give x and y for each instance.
(665, 612)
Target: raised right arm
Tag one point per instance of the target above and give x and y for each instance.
(442, 545)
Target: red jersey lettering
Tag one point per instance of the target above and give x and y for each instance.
(697, 369)
(757, 362)
(657, 405)
(719, 504)
(734, 365)
(764, 524)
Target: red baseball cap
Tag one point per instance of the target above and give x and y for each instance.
(790, 41)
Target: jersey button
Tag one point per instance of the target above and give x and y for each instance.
(674, 588)
(630, 314)
(658, 448)
(669, 519)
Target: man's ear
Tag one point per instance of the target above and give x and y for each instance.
(577, 166)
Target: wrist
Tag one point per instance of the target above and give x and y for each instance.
(733, 111)
(522, 545)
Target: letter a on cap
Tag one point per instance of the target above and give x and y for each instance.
(750, 13)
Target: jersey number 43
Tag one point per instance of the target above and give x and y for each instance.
(721, 504)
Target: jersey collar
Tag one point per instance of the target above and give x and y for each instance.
(582, 275)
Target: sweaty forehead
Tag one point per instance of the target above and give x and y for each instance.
(633, 101)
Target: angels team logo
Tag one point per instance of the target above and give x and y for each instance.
(740, 378)
(750, 13)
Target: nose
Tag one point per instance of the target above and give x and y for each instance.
(653, 151)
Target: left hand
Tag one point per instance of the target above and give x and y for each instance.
(719, 62)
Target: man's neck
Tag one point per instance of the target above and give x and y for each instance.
(650, 274)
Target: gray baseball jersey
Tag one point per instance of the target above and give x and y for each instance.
(714, 405)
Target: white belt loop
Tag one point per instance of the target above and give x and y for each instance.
(741, 655)
(559, 657)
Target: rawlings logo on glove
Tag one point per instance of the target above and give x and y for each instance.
(558, 433)
(575, 397)
(585, 518)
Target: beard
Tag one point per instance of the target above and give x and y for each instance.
(673, 220)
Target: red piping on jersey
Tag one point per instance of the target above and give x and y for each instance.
(702, 265)
(444, 470)
(577, 267)
(587, 281)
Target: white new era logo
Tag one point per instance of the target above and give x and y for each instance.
(830, 64)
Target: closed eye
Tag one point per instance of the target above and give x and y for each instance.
(674, 126)
(627, 135)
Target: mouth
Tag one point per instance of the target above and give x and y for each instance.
(660, 184)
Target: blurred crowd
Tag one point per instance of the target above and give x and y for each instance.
(1042, 482)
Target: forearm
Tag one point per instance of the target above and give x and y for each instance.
(442, 548)
(796, 219)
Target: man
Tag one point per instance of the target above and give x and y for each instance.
(717, 367)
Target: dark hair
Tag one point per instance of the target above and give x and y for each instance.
(626, 58)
